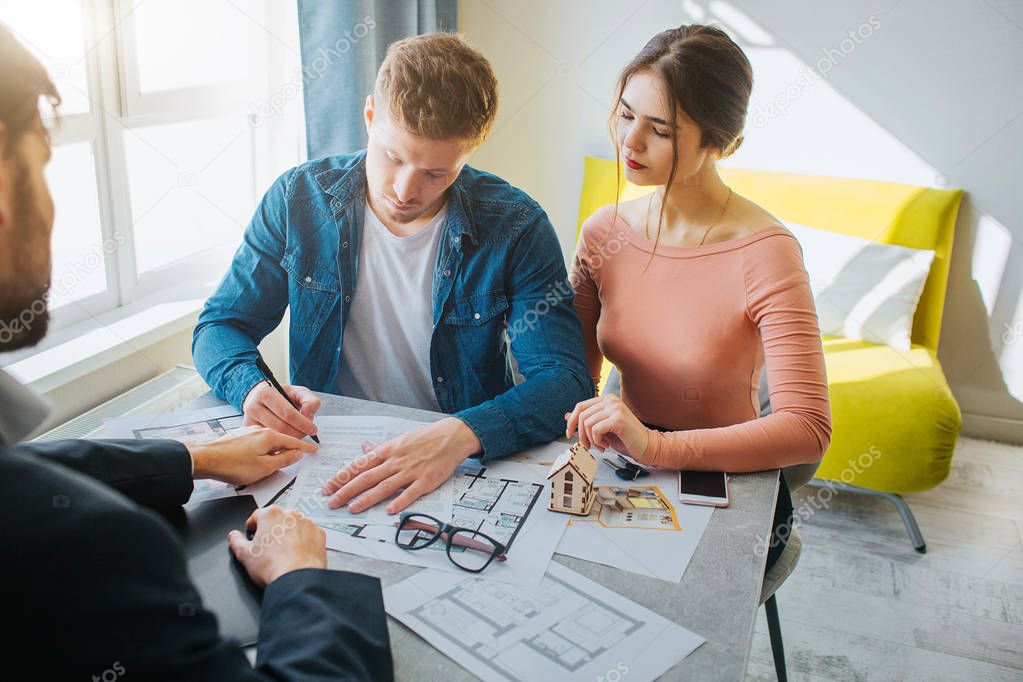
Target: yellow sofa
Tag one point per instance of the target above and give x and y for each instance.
(894, 420)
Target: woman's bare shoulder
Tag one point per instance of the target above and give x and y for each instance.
(746, 217)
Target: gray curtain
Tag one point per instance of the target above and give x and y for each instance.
(343, 43)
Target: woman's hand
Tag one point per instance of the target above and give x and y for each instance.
(606, 422)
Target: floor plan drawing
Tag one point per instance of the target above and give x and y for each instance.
(494, 506)
(341, 444)
(498, 499)
(193, 432)
(640, 507)
(566, 628)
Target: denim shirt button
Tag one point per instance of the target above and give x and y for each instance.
(476, 316)
(440, 380)
(308, 279)
(348, 299)
(344, 245)
(447, 273)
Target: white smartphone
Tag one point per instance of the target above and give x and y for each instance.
(703, 487)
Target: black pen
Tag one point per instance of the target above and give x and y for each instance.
(269, 376)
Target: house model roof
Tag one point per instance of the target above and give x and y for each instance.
(579, 458)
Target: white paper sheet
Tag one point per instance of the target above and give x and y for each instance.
(341, 440)
(567, 628)
(201, 426)
(506, 500)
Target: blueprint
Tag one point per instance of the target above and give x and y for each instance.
(635, 506)
(341, 440)
(566, 628)
(503, 499)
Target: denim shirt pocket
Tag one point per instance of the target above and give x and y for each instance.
(478, 327)
(313, 290)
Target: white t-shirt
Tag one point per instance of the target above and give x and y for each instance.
(385, 351)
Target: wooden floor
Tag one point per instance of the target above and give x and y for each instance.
(862, 605)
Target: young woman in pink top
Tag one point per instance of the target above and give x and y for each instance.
(693, 290)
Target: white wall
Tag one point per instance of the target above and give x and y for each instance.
(915, 91)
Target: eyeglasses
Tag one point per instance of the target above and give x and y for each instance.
(468, 549)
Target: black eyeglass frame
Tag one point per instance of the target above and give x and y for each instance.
(451, 536)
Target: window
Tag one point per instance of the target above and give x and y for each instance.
(176, 116)
(567, 501)
(568, 476)
(568, 486)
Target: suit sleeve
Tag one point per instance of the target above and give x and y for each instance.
(152, 473)
(316, 624)
(327, 625)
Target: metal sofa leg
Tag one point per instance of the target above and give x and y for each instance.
(915, 536)
(774, 630)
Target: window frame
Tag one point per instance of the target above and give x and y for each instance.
(116, 108)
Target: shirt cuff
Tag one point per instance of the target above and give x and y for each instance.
(652, 454)
(490, 426)
(241, 382)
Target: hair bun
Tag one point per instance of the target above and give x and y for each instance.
(733, 147)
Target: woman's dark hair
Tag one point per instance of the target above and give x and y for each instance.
(706, 75)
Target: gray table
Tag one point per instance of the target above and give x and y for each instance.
(717, 598)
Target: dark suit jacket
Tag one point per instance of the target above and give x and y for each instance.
(95, 586)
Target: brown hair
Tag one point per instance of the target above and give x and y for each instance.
(23, 81)
(706, 75)
(437, 86)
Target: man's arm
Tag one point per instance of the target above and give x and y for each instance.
(151, 473)
(248, 304)
(547, 343)
(546, 340)
(319, 624)
(158, 473)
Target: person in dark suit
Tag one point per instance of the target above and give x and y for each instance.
(94, 580)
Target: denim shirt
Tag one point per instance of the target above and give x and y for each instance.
(500, 288)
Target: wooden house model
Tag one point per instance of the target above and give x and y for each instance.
(572, 476)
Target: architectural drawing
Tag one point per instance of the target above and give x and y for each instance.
(640, 507)
(193, 432)
(572, 629)
(567, 628)
(494, 506)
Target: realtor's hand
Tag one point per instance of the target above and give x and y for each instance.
(247, 456)
(266, 407)
(283, 541)
(606, 422)
(418, 461)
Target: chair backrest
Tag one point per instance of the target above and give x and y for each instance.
(884, 212)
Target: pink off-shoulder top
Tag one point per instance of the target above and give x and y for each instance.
(691, 328)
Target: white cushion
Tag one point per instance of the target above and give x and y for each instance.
(863, 290)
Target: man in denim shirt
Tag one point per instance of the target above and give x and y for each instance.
(403, 267)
